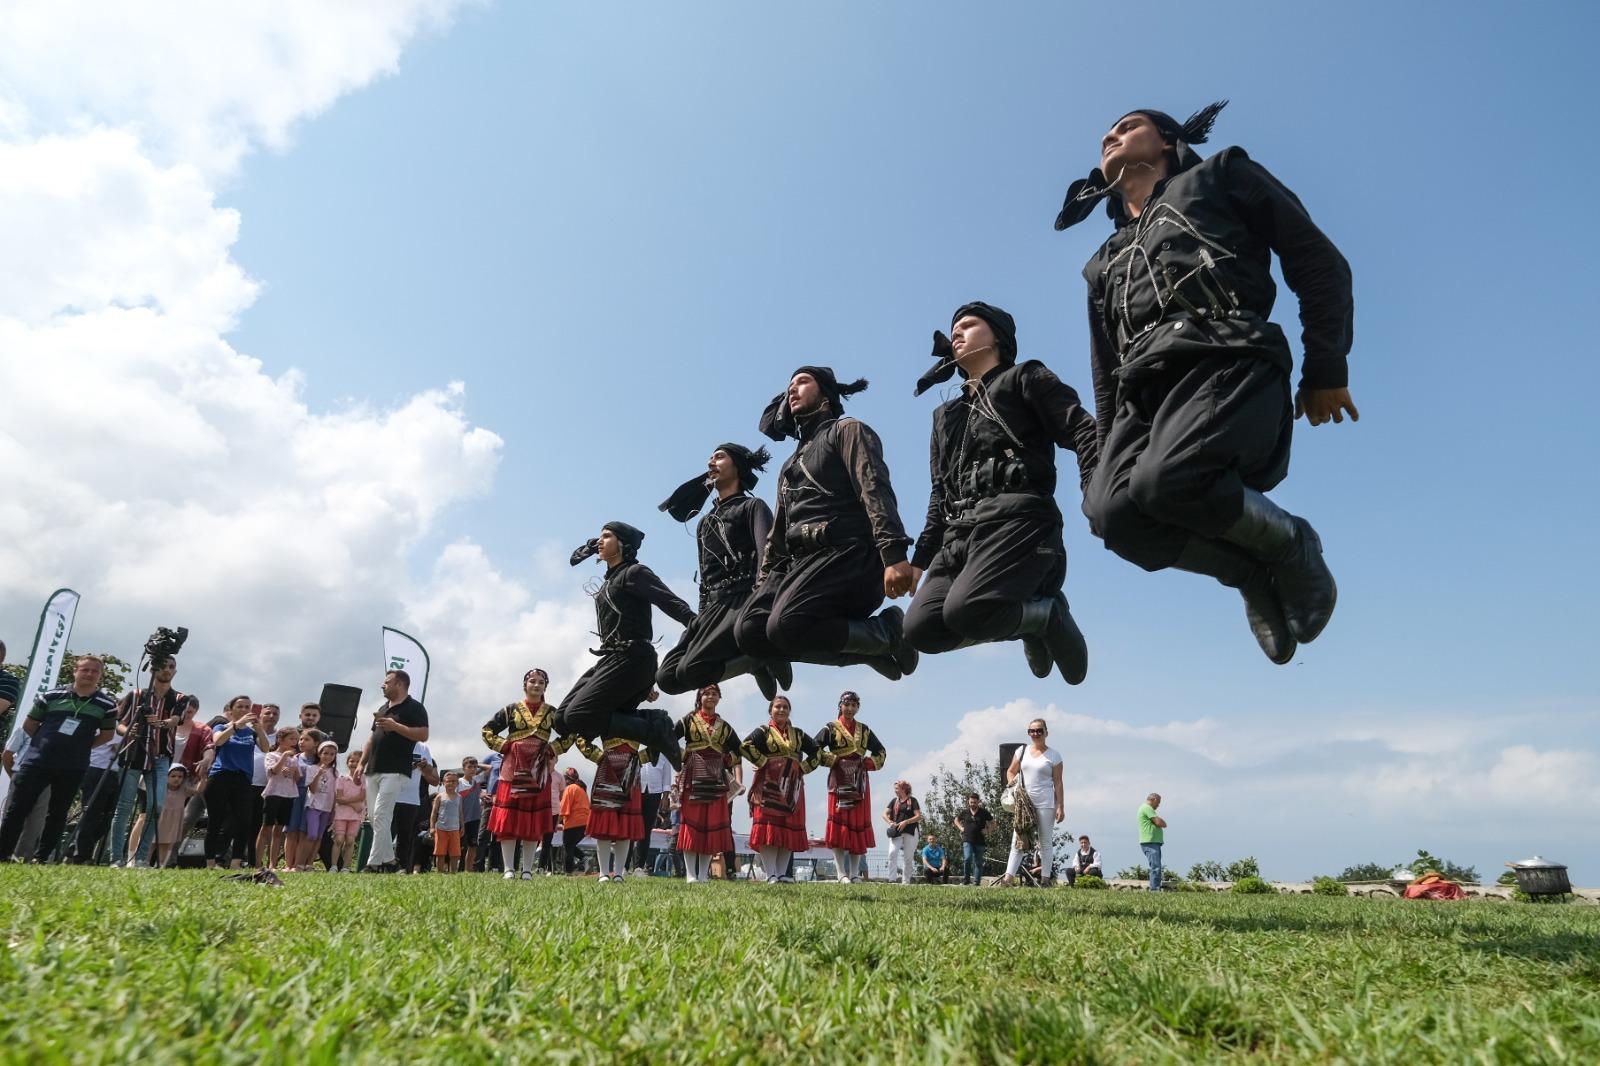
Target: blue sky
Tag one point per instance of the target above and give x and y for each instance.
(620, 227)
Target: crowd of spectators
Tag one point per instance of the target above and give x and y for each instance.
(143, 770)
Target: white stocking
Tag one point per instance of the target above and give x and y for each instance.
(843, 862)
(530, 851)
(784, 856)
(769, 862)
(508, 855)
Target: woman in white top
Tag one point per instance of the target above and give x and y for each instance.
(1040, 768)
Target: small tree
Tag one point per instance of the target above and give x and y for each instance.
(1367, 871)
(1425, 862)
(1134, 873)
(1240, 869)
(1209, 870)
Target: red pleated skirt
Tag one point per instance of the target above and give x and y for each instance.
(851, 828)
(626, 824)
(520, 815)
(776, 829)
(706, 827)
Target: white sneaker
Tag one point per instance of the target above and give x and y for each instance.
(511, 875)
(844, 879)
(605, 880)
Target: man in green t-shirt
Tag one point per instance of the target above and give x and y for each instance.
(1151, 836)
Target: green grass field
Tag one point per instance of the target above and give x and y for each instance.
(114, 966)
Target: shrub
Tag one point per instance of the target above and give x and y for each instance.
(1209, 870)
(1243, 868)
(1089, 881)
(1367, 871)
(1134, 873)
(1253, 886)
(1327, 886)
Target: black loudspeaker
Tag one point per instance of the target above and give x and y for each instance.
(1007, 753)
(339, 703)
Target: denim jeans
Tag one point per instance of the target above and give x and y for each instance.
(972, 863)
(155, 791)
(1152, 859)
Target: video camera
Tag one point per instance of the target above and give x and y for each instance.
(165, 644)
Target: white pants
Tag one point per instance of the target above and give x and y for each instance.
(903, 852)
(1046, 837)
(382, 791)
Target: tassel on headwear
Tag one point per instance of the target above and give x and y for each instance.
(630, 537)
(1001, 324)
(777, 421)
(687, 499)
(1084, 193)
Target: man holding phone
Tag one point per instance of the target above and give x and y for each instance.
(398, 727)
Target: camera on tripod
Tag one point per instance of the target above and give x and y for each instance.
(165, 644)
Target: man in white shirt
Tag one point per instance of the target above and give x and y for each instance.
(655, 781)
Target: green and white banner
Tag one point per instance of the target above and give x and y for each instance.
(404, 652)
(49, 646)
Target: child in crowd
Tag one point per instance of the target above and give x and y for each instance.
(169, 827)
(445, 822)
(349, 808)
(471, 790)
(296, 830)
(277, 799)
(321, 779)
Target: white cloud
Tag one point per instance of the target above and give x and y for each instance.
(198, 83)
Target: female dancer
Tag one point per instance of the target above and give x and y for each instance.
(615, 818)
(782, 756)
(521, 799)
(851, 751)
(710, 751)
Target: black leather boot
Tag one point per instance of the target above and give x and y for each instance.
(1050, 637)
(744, 664)
(1233, 568)
(781, 670)
(1291, 549)
(651, 728)
(880, 641)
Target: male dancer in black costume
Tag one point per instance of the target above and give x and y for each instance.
(605, 700)
(732, 540)
(992, 543)
(1191, 380)
(837, 547)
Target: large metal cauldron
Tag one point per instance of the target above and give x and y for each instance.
(1540, 877)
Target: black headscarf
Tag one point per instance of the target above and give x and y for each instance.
(1084, 193)
(687, 499)
(630, 537)
(777, 421)
(1005, 338)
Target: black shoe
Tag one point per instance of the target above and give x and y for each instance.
(765, 682)
(901, 650)
(1035, 617)
(781, 670)
(1065, 642)
(873, 640)
(1292, 551)
(1262, 606)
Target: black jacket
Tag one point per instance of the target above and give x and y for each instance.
(732, 539)
(622, 606)
(836, 480)
(1026, 413)
(1191, 277)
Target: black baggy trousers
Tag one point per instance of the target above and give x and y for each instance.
(1183, 445)
(803, 614)
(982, 575)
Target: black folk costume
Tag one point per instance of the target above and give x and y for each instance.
(851, 751)
(732, 539)
(836, 530)
(782, 756)
(991, 546)
(1191, 380)
(605, 700)
(615, 804)
(705, 827)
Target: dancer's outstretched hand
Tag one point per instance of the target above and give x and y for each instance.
(900, 579)
(1320, 405)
